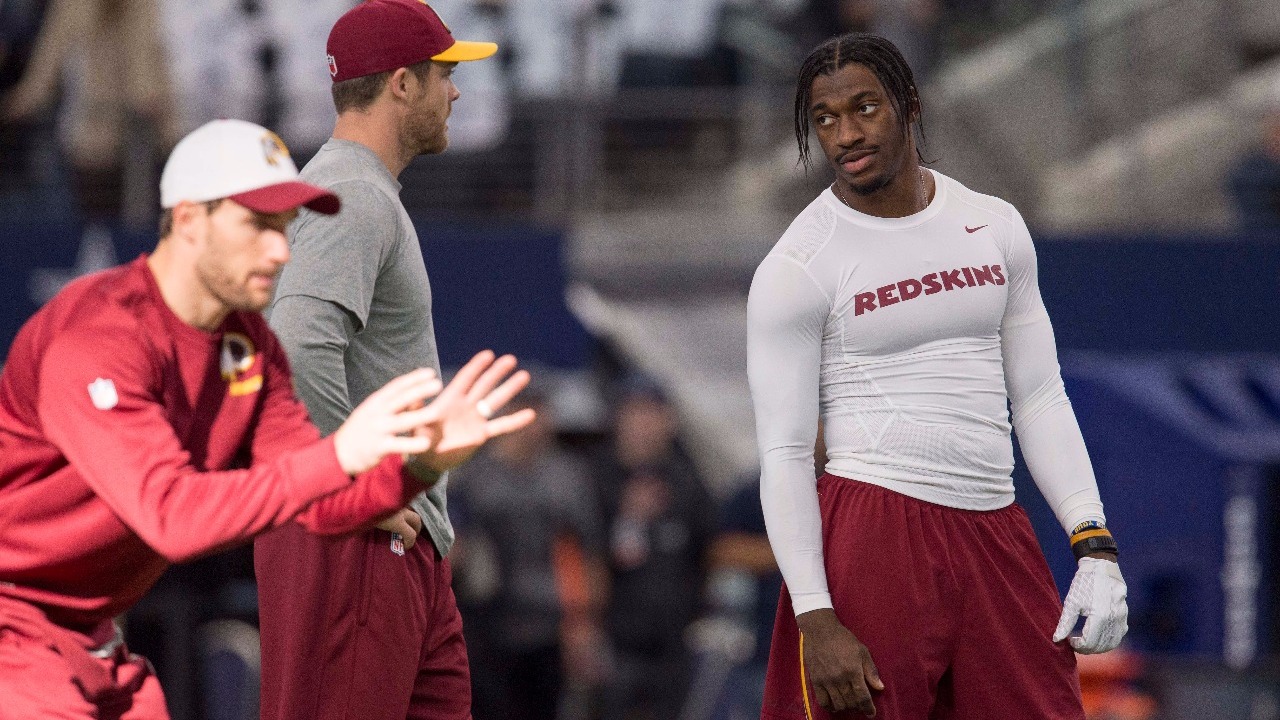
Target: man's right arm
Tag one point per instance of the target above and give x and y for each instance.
(786, 312)
(786, 317)
(121, 442)
(316, 333)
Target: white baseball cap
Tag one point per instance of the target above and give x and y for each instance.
(241, 161)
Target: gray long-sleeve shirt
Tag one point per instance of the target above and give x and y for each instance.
(353, 305)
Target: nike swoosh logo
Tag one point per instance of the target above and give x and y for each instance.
(973, 230)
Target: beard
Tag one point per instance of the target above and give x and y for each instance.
(213, 270)
(882, 180)
(425, 133)
(873, 185)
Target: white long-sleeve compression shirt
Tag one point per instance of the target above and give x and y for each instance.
(911, 338)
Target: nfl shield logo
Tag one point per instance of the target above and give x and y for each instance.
(103, 394)
(397, 544)
(333, 66)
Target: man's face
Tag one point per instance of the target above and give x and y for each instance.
(645, 422)
(858, 129)
(243, 254)
(426, 128)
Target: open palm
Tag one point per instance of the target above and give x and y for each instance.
(461, 415)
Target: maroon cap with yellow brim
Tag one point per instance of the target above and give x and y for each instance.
(380, 35)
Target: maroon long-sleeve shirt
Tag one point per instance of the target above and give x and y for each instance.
(130, 440)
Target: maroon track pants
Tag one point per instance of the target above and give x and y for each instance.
(957, 608)
(47, 671)
(353, 630)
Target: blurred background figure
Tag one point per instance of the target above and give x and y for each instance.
(672, 43)
(742, 559)
(215, 54)
(104, 64)
(659, 520)
(748, 585)
(559, 48)
(531, 579)
(23, 143)
(295, 94)
(1255, 180)
(912, 25)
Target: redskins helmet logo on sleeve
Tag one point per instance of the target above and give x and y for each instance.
(237, 359)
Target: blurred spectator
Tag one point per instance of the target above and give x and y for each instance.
(20, 23)
(660, 520)
(529, 575)
(556, 47)
(672, 43)
(108, 59)
(820, 19)
(217, 59)
(564, 47)
(741, 547)
(912, 25)
(298, 74)
(1255, 181)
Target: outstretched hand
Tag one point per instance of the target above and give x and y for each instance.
(839, 667)
(386, 422)
(460, 419)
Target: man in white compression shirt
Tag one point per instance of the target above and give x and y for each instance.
(904, 310)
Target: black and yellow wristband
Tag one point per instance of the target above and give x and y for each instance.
(1091, 537)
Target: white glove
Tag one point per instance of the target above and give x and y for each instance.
(1097, 592)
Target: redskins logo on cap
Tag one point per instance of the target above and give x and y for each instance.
(333, 66)
(273, 148)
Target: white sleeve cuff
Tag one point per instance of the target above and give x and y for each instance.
(803, 603)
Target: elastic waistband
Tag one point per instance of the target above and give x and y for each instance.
(875, 486)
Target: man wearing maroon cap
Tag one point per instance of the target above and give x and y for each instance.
(147, 417)
(366, 626)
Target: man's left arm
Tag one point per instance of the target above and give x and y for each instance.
(1056, 455)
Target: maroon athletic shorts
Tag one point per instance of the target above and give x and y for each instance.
(47, 671)
(354, 630)
(957, 608)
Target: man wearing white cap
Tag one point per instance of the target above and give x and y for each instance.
(353, 310)
(147, 417)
